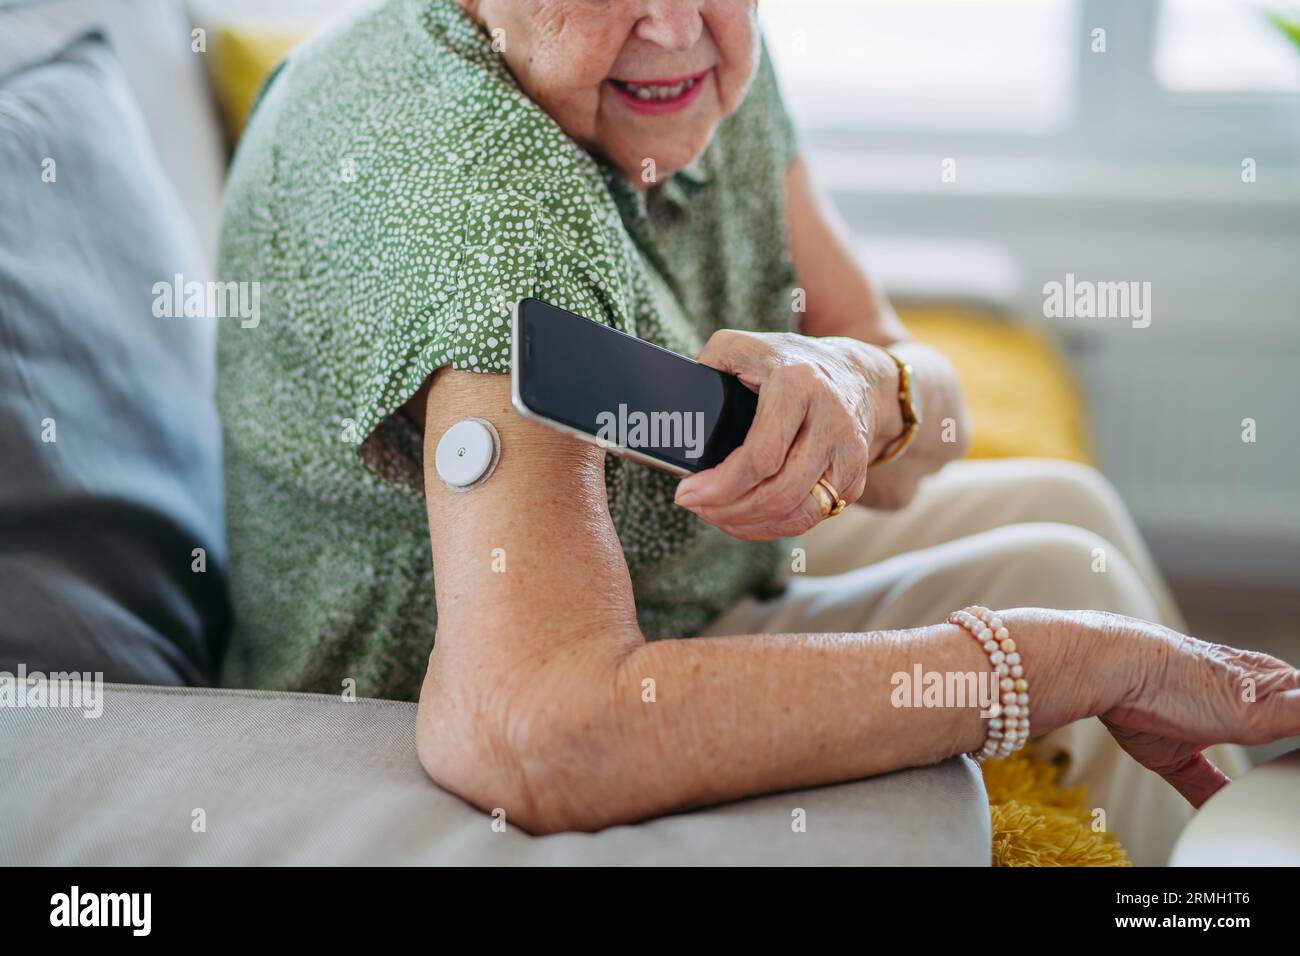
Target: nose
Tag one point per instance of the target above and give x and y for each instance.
(674, 25)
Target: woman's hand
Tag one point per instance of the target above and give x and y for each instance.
(1188, 694)
(1164, 696)
(826, 408)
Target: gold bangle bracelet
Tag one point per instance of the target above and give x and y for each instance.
(909, 405)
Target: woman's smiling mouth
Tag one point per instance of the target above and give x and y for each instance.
(660, 96)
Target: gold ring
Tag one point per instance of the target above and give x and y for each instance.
(840, 503)
(828, 499)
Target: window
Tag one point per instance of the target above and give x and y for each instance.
(1226, 46)
(1175, 83)
(917, 64)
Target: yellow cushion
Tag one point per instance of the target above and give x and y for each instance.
(242, 58)
(1022, 398)
(1037, 822)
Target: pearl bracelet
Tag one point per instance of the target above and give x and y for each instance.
(1009, 725)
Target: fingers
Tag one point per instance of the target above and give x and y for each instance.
(848, 470)
(780, 415)
(1181, 764)
(743, 354)
(1260, 695)
(1196, 778)
(808, 425)
(784, 504)
(1289, 708)
(1277, 715)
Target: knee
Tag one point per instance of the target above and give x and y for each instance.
(1078, 494)
(1068, 567)
(1059, 551)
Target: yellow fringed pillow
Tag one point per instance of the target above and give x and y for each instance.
(242, 58)
(1037, 822)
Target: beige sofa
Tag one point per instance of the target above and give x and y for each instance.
(174, 776)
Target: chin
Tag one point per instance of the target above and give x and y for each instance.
(668, 160)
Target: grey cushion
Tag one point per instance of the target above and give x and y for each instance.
(166, 77)
(311, 779)
(98, 527)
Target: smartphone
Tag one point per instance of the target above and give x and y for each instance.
(626, 395)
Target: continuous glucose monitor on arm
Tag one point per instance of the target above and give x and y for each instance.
(467, 454)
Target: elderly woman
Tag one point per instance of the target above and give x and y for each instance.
(610, 643)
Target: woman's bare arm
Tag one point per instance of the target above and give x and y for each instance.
(535, 700)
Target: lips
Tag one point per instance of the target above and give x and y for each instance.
(660, 95)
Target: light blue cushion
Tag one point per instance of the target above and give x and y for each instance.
(98, 528)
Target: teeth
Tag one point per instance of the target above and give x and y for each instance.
(658, 92)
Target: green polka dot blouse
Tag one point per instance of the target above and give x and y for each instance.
(394, 194)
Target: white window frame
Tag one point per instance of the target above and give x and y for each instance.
(1119, 114)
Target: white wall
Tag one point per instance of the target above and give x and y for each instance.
(1133, 182)
(1223, 260)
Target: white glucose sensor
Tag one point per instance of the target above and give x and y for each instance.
(467, 453)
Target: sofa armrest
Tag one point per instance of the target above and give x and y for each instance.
(1250, 822)
(286, 778)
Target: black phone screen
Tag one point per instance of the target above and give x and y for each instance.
(625, 391)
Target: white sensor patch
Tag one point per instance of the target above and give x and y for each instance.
(467, 453)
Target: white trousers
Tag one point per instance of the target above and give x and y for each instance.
(1002, 533)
